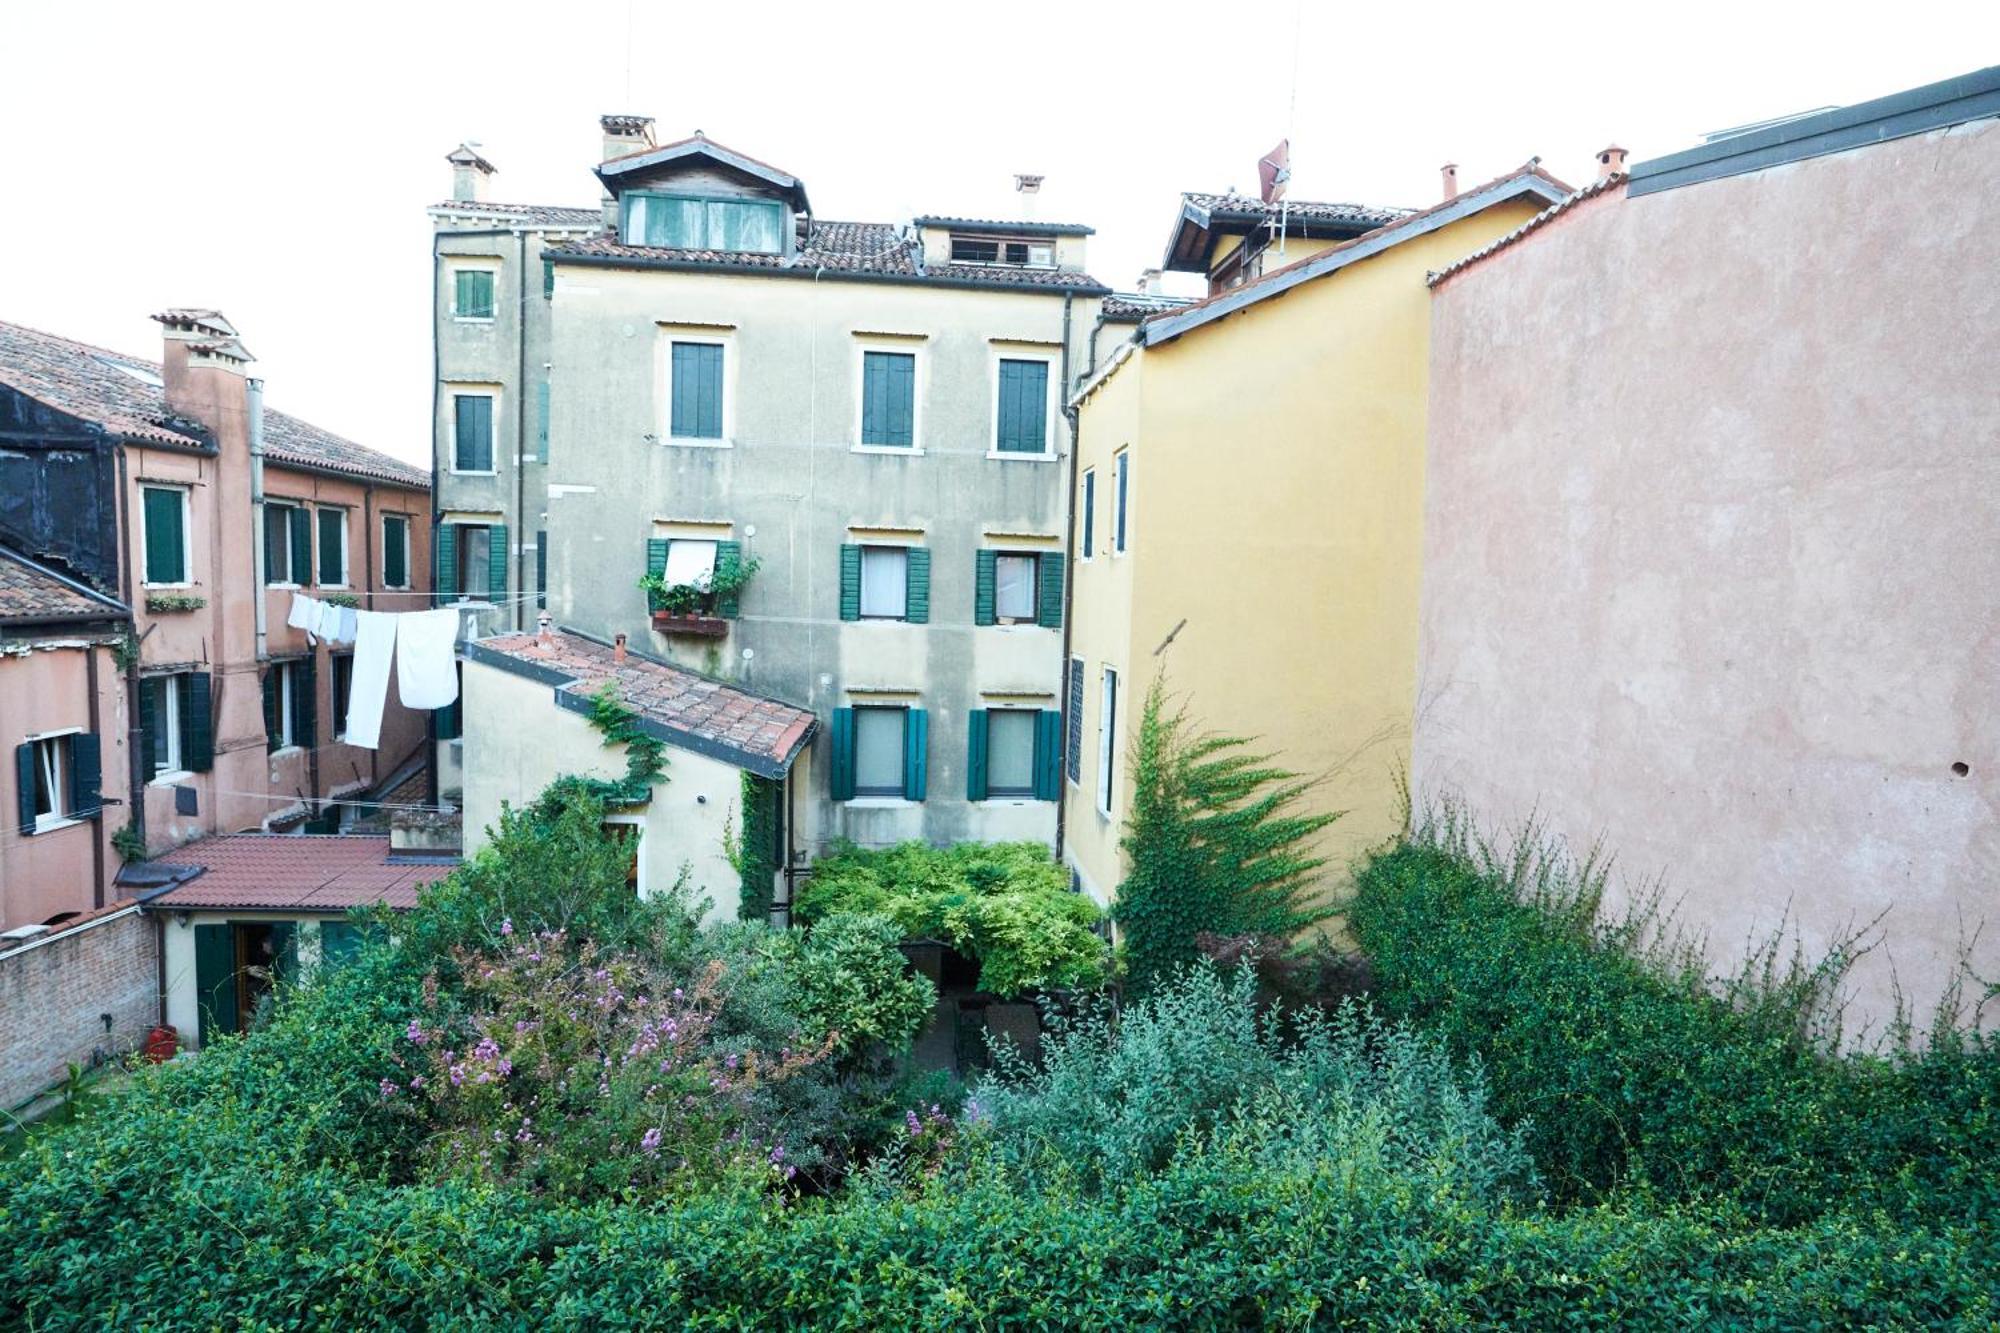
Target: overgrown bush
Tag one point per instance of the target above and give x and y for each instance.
(1006, 905)
(1633, 1069)
(1215, 843)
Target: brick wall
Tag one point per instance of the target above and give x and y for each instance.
(54, 992)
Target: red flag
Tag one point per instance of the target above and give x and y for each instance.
(1274, 172)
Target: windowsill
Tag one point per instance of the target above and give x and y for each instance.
(284, 750)
(472, 472)
(150, 584)
(172, 777)
(1102, 813)
(698, 442)
(1023, 623)
(472, 319)
(53, 823)
(470, 604)
(1024, 798)
(881, 620)
(284, 587)
(335, 587)
(1011, 456)
(894, 450)
(881, 803)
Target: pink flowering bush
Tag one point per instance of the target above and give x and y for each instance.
(558, 1065)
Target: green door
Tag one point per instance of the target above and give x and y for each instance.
(215, 980)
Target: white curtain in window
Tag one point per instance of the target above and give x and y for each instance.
(885, 581)
(878, 750)
(689, 563)
(49, 768)
(1014, 586)
(1010, 752)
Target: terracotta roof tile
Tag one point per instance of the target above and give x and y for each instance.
(29, 590)
(1248, 206)
(1542, 219)
(298, 873)
(1131, 307)
(553, 215)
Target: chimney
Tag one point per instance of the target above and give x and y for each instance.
(200, 348)
(618, 651)
(1149, 282)
(1027, 187)
(1610, 162)
(469, 173)
(543, 634)
(626, 134)
(1450, 173)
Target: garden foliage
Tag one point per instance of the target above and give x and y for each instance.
(1006, 905)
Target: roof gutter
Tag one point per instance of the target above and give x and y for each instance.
(767, 271)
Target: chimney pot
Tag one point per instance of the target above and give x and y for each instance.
(1610, 162)
(1149, 282)
(469, 173)
(627, 134)
(1450, 173)
(542, 632)
(618, 651)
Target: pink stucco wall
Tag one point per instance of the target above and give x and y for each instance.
(1712, 548)
(45, 687)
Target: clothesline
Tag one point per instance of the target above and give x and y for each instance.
(422, 646)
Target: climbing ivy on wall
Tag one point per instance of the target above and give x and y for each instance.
(645, 754)
(755, 853)
(1216, 841)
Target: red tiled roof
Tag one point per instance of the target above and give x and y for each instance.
(276, 872)
(1542, 219)
(687, 709)
(553, 215)
(1237, 205)
(32, 591)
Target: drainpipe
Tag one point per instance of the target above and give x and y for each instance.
(135, 735)
(1070, 415)
(437, 405)
(367, 599)
(521, 436)
(257, 555)
(97, 729)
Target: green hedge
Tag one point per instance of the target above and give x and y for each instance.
(1630, 1070)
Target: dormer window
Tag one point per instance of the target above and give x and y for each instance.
(690, 222)
(1020, 252)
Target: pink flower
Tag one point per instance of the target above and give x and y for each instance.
(389, 1089)
(415, 1033)
(650, 1143)
(507, 925)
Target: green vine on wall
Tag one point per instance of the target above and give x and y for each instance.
(128, 844)
(754, 853)
(645, 754)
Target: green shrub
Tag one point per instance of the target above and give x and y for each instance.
(1007, 905)
(1215, 844)
(1631, 1068)
(852, 986)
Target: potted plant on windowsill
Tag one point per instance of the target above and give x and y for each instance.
(167, 603)
(703, 608)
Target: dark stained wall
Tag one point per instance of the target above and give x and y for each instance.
(57, 483)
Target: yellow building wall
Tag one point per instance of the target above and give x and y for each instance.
(1277, 507)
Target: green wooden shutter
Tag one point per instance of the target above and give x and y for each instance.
(917, 586)
(215, 980)
(86, 775)
(1050, 608)
(1048, 755)
(1089, 508)
(1024, 406)
(548, 278)
(888, 399)
(840, 779)
(916, 753)
(711, 392)
(302, 554)
(729, 555)
(166, 544)
(496, 562)
(975, 755)
(850, 582)
(332, 529)
(395, 552)
(305, 703)
(903, 400)
(149, 727)
(271, 697)
(697, 401)
(1074, 748)
(656, 563)
(983, 577)
(542, 421)
(198, 722)
(874, 398)
(24, 786)
(444, 551)
(274, 543)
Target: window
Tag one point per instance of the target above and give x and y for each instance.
(287, 544)
(879, 742)
(1122, 502)
(472, 294)
(332, 547)
(695, 391)
(450, 719)
(162, 706)
(166, 522)
(1014, 588)
(1021, 251)
(343, 685)
(1022, 425)
(1089, 515)
(885, 582)
(684, 222)
(470, 562)
(51, 780)
(1010, 752)
(472, 424)
(630, 835)
(395, 551)
(57, 780)
(889, 399)
(475, 562)
(1107, 727)
(289, 716)
(1073, 742)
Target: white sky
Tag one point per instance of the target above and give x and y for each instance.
(274, 160)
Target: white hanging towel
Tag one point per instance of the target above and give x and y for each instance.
(426, 674)
(374, 649)
(327, 623)
(347, 625)
(305, 612)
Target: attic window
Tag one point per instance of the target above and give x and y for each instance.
(1021, 252)
(687, 222)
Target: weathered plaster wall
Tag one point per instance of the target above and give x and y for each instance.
(1711, 568)
(46, 688)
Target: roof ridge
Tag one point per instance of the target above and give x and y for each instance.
(1603, 185)
(91, 348)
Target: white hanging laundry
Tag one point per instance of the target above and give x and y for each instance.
(426, 671)
(374, 649)
(347, 625)
(305, 612)
(327, 623)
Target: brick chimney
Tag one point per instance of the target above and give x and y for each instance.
(469, 173)
(1610, 161)
(1028, 188)
(1450, 173)
(203, 365)
(1149, 282)
(626, 134)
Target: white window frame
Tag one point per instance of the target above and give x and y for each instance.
(452, 271)
(919, 384)
(1107, 726)
(287, 688)
(409, 574)
(187, 533)
(993, 791)
(58, 773)
(638, 847)
(1121, 502)
(1049, 453)
(279, 502)
(454, 392)
(334, 710)
(1086, 512)
(901, 794)
(862, 613)
(1034, 615)
(346, 554)
(459, 543)
(173, 764)
(669, 335)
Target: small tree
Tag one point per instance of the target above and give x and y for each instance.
(1216, 841)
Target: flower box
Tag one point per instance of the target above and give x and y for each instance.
(690, 623)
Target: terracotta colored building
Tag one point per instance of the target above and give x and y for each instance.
(171, 490)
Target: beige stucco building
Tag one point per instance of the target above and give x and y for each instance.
(1710, 560)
